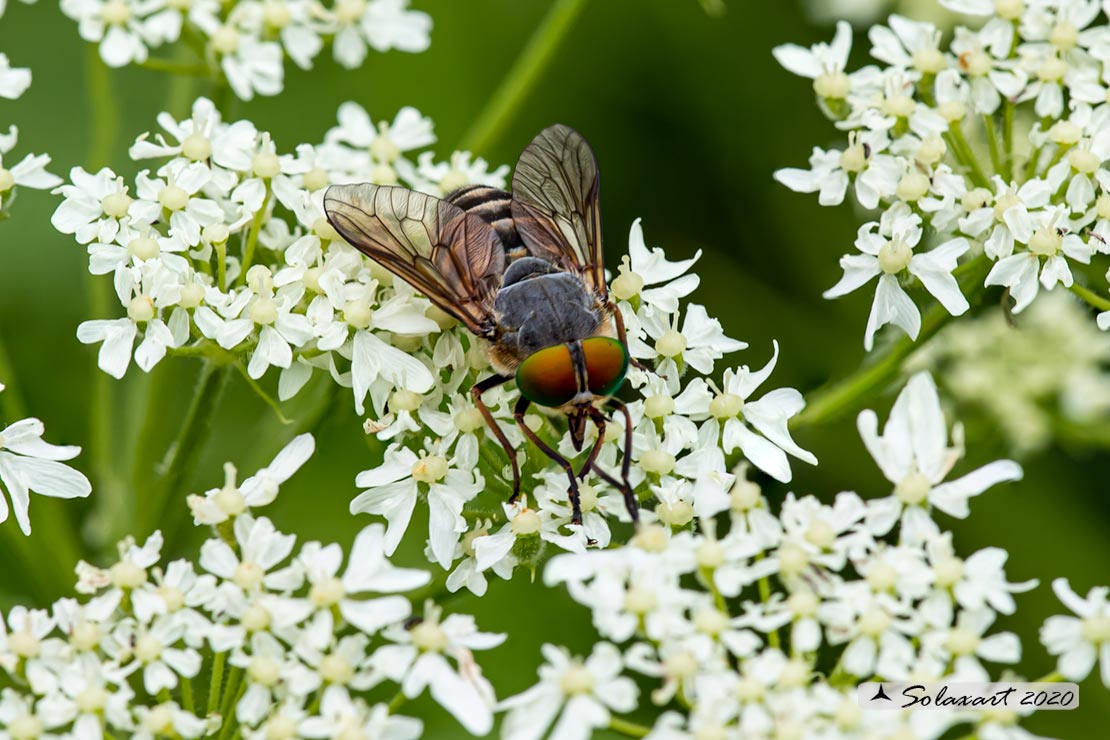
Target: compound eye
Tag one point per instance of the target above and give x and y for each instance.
(547, 377)
(606, 364)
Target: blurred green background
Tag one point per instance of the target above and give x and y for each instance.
(689, 116)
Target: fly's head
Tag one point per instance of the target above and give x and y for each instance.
(574, 378)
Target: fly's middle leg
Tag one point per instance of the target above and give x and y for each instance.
(623, 485)
(572, 492)
(476, 393)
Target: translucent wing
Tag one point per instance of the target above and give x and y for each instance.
(452, 257)
(556, 206)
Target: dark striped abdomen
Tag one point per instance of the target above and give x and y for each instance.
(495, 208)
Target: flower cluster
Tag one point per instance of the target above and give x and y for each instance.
(257, 636)
(685, 427)
(985, 155)
(1037, 376)
(224, 251)
(760, 621)
(246, 42)
(29, 172)
(29, 464)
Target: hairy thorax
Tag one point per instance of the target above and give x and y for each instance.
(539, 305)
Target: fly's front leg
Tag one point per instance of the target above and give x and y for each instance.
(599, 423)
(623, 485)
(476, 392)
(572, 492)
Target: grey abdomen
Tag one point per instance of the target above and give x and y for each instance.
(549, 308)
(495, 208)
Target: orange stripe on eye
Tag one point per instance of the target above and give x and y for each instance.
(606, 364)
(547, 377)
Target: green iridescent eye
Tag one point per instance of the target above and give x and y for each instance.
(547, 377)
(606, 364)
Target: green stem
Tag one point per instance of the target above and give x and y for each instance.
(397, 702)
(992, 140)
(108, 483)
(1008, 140)
(773, 638)
(187, 699)
(103, 109)
(185, 449)
(526, 71)
(269, 400)
(252, 236)
(215, 688)
(706, 577)
(1092, 298)
(175, 68)
(158, 402)
(221, 266)
(628, 729)
(963, 153)
(235, 689)
(835, 400)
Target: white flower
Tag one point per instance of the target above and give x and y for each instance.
(1042, 232)
(357, 145)
(167, 719)
(180, 195)
(116, 25)
(153, 651)
(418, 660)
(1084, 639)
(767, 415)
(23, 712)
(270, 670)
(913, 455)
(93, 207)
(14, 81)
(966, 641)
(393, 488)
(30, 465)
(250, 64)
(442, 178)
(260, 548)
(581, 694)
(340, 715)
(30, 172)
(201, 137)
(821, 62)
(874, 174)
(887, 250)
(105, 692)
(643, 267)
(699, 344)
(383, 24)
(974, 583)
(220, 504)
(367, 570)
(129, 572)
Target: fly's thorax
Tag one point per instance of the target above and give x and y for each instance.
(541, 306)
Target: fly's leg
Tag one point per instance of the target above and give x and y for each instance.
(599, 423)
(476, 393)
(623, 485)
(572, 492)
(622, 337)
